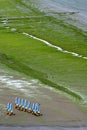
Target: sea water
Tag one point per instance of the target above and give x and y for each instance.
(76, 10)
(75, 5)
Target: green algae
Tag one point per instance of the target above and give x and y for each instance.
(31, 57)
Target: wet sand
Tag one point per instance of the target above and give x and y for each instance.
(57, 110)
(42, 128)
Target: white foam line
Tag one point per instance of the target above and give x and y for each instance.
(18, 84)
(13, 29)
(58, 48)
(27, 87)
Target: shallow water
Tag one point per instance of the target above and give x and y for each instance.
(77, 5)
(75, 11)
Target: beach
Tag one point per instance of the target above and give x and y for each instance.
(56, 109)
(43, 58)
(43, 128)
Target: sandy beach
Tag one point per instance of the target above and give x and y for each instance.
(57, 110)
(43, 128)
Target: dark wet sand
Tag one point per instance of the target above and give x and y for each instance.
(42, 128)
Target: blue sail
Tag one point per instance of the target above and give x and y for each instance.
(28, 105)
(37, 107)
(8, 105)
(22, 102)
(16, 100)
(33, 107)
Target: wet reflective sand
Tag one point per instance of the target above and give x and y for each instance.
(57, 110)
(43, 128)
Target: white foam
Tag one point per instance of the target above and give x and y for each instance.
(13, 29)
(28, 88)
(5, 21)
(10, 81)
(56, 47)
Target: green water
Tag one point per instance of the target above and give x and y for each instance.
(33, 58)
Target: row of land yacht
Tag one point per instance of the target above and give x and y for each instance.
(24, 105)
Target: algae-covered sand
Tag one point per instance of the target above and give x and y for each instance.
(49, 46)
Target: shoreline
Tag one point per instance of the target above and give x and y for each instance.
(64, 113)
(57, 109)
(78, 16)
(59, 112)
